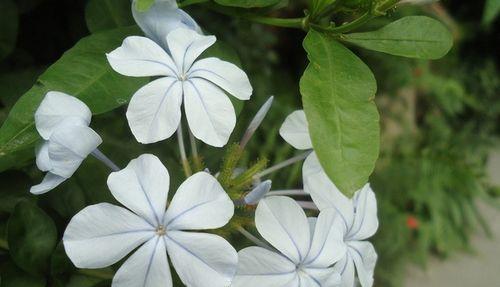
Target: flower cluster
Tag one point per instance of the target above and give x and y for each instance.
(298, 251)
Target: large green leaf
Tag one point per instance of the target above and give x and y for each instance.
(491, 11)
(143, 5)
(247, 3)
(413, 36)
(9, 21)
(32, 237)
(338, 92)
(84, 72)
(103, 15)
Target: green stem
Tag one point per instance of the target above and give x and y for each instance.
(346, 27)
(191, 2)
(102, 274)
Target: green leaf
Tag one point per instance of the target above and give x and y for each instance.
(491, 11)
(84, 72)
(9, 21)
(15, 83)
(14, 277)
(413, 36)
(248, 3)
(317, 6)
(143, 5)
(32, 237)
(338, 92)
(15, 187)
(103, 15)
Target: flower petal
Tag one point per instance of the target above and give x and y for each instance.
(258, 192)
(162, 18)
(345, 268)
(312, 166)
(141, 57)
(365, 218)
(147, 267)
(307, 281)
(142, 187)
(295, 130)
(209, 112)
(225, 75)
(186, 46)
(327, 246)
(260, 267)
(42, 157)
(327, 277)
(50, 181)
(282, 222)
(202, 260)
(154, 112)
(199, 203)
(69, 146)
(57, 107)
(326, 195)
(102, 234)
(365, 258)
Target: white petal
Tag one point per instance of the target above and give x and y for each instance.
(209, 112)
(162, 18)
(199, 203)
(365, 259)
(141, 57)
(154, 112)
(312, 166)
(345, 268)
(186, 45)
(225, 75)
(326, 195)
(365, 218)
(307, 281)
(142, 187)
(260, 267)
(328, 244)
(102, 234)
(42, 157)
(57, 107)
(147, 267)
(202, 260)
(259, 192)
(282, 222)
(295, 130)
(327, 277)
(50, 181)
(69, 146)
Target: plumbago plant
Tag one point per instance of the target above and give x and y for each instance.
(175, 73)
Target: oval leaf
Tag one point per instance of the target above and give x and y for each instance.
(83, 71)
(32, 236)
(103, 15)
(338, 90)
(247, 3)
(413, 36)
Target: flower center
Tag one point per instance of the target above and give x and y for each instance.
(182, 77)
(160, 230)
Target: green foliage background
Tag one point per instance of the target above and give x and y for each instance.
(439, 120)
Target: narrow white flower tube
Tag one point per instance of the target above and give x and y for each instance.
(62, 121)
(100, 235)
(154, 113)
(307, 247)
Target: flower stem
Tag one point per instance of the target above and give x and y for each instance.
(307, 205)
(97, 273)
(104, 159)
(256, 122)
(198, 165)
(182, 151)
(252, 238)
(287, 192)
(283, 164)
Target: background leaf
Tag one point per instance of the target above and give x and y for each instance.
(108, 14)
(12, 276)
(32, 237)
(9, 21)
(338, 90)
(413, 36)
(247, 3)
(144, 5)
(83, 71)
(491, 11)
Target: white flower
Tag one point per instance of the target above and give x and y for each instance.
(359, 218)
(162, 18)
(295, 131)
(62, 121)
(154, 113)
(307, 247)
(101, 235)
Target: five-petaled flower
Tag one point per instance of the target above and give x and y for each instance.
(63, 123)
(100, 235)
(154, 113)
(307, 247)
(359, 218)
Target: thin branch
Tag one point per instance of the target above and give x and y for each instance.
(182, 151)
(104, 159)
(283, 164)
(253, 238)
